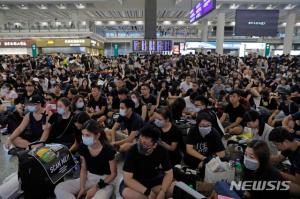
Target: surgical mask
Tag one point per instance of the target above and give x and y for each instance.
(52, 82)
(60, 111)
(141, 149)
(197, 110)
(79, 104)
(250, 163)
(168, 80)
(88, 141)
(31, 109)
(156, 74)
(4, 91)
(159, 123)
(123, 112)
(204, 131)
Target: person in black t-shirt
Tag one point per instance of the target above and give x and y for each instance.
(148, 99)
(203, 142)
(290, 148)
(235, 112)
(139, 108)
(97, 105)
(129, 122)
(79, 119)
(98, 167)
(60, 127)
(143, 177)
(170, 134)
(113, 95)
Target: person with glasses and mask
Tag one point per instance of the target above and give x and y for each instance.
(203, 142)
(147, 170)
(98, 167)
(32, 125)
(170, 134)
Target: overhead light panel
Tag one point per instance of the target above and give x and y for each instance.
(232, 23)
(167, 22)
(58, 23)
(218, 6)
(139, 22)
(23, 6)
(43, 7)
(83, 23)
(251, 7)
(298, 24)
(234, 6)
(61, 6)
(289, 7)
(180, 22)
(4, 7)
(80, 6)
(98, 23)
(126, 22)
(270, 7)
(44, 23)
(195, 23)
(112, 23)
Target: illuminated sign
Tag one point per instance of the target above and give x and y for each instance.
(15, 43)
(201, 9)
(74, 41)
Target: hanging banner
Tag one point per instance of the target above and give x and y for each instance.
(56, 160)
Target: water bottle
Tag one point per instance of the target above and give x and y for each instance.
(238, 170)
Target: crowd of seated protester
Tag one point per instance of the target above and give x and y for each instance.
(159, 111)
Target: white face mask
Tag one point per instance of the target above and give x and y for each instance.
(204, 131)
(123, 112)
(250, 163)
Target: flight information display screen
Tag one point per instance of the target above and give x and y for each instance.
(152, 45)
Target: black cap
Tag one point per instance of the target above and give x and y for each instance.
(36, 99)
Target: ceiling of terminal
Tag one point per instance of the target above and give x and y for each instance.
(126, 14)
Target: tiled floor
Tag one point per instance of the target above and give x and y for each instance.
(9, 164)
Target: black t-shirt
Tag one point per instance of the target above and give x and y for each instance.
(145, 168)
(294, 158)
(115, 99)
(291, 108)
(101, 102)
(84, 92)
(99, 164)
(234, 113)
(207, 146)
(134, 123)
(62, 130)
(149, 101)
(173, 135)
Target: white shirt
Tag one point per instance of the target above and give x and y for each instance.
(189, 106)
(185, 87)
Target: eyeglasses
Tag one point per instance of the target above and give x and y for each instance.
(29, 85)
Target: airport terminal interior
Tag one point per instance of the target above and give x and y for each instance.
(149, 99)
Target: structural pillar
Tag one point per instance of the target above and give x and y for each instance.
(204, 31)
(289, 33)
(2, 20)
(220, 33)
(150, 19)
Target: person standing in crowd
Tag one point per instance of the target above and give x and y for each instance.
(147, 155)
(98, 167)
